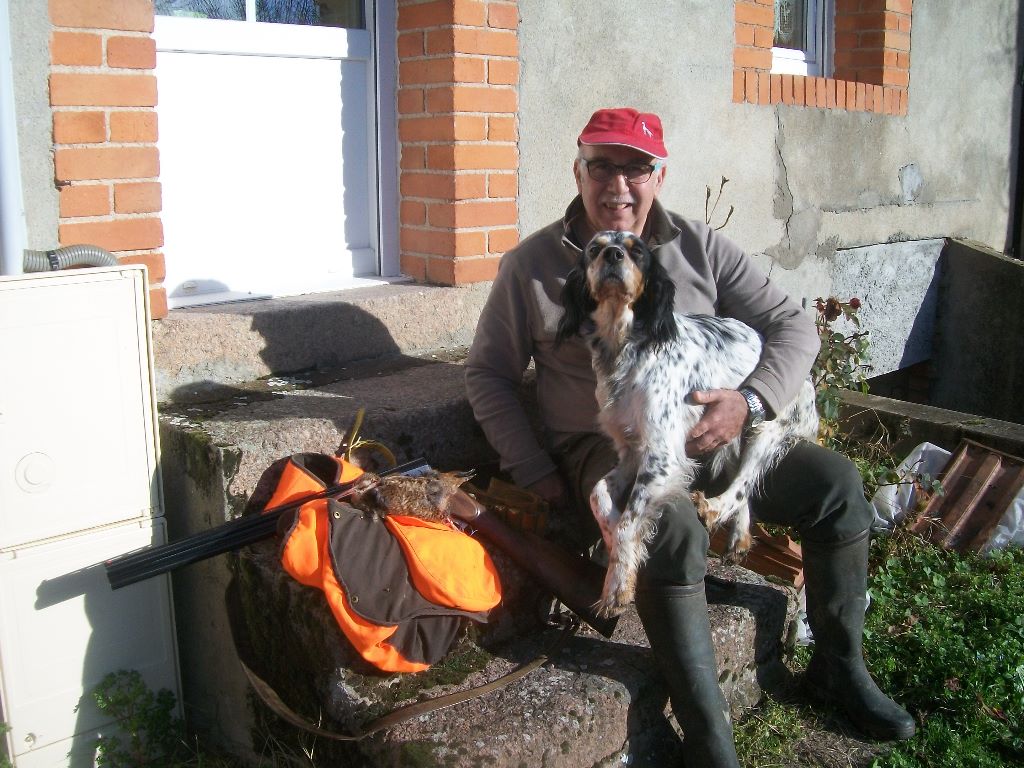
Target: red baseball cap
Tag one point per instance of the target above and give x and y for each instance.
(628, 128)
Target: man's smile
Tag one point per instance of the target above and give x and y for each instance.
(618, 205)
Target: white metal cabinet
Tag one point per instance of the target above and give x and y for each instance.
(79, 484)
(77, 429)
(63, 629)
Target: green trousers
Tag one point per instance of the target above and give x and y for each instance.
(814, 491)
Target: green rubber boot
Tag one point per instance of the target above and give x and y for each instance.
(675, 617)
(836, 579)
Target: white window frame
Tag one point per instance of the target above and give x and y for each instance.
(271, 39)
(815, 59)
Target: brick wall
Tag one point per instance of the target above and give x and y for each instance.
(103, 93)
(457, 101)
(872, 59)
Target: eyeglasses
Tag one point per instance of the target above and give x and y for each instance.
(635, 173)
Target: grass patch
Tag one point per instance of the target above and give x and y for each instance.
(767, 736)
(945, 637)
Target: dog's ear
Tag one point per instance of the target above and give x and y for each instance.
(577, 302)
(654, 309)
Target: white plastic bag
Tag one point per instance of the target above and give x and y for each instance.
(892, 502)
(1010, 528)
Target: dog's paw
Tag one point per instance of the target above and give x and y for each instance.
(603, 507)
(738, 545)
(608, 607)
(617, 593)
(708, 512)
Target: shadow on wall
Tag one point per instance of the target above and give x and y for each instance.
(921, 335)
(329, 360)
(978, 355)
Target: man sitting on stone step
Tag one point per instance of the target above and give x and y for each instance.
(619, 171)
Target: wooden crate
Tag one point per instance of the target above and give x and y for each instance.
(979, 483)
(769, 555)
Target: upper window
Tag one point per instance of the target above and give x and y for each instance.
(803, 35)
(319, 13)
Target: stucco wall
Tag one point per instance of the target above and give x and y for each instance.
(30, 51)
(809, 185)
(901, 332)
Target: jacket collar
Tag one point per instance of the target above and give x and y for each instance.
(660, 228)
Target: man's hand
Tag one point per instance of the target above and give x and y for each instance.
(725, 413)
(552, 489)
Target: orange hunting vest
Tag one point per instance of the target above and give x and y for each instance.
(400, 587)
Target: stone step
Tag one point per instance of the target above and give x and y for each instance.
(213, 454)
(596, 702)
(205, 350)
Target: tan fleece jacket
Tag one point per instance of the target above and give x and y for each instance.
(712, 276)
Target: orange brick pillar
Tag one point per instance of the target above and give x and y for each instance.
(873, 41)
(103, 95)
(457, 100)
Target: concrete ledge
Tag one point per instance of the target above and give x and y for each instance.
(213, 456)
(979, 336)
(416, 407)
(597, 702)
(911, 424)
(199, 349)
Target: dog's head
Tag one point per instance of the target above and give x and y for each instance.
(617, 269)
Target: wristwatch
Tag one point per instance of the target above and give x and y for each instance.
(755, 408)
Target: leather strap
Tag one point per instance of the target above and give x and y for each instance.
(269, 696)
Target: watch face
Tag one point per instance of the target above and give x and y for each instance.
(756, 410)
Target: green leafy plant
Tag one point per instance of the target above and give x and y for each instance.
(841, 361)
(841, 365)
(945, 637)
(150, 733)
(150, 736)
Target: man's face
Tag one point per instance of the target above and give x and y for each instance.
(616, 204)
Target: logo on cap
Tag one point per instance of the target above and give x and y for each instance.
(646, 130)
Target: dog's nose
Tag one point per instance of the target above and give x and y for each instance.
(614, 254)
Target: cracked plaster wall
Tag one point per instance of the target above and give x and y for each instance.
(30, 53)
(811, 188)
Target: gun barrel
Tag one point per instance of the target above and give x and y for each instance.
(147, 562)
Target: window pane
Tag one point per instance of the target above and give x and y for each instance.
(202, 9)
(321, 13)
(791, 24)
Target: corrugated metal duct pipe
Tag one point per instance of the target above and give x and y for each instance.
(67, 257)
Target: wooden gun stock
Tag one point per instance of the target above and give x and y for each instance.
(573, 579)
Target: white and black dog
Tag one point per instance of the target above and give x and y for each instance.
(648, 359)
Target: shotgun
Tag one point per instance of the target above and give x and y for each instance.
(574, 580)
(154, 560)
